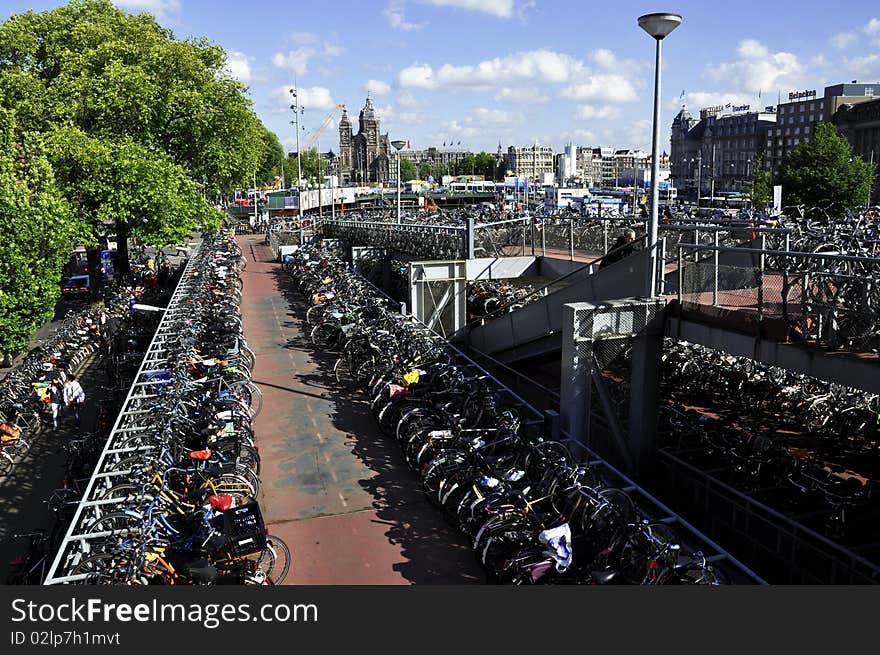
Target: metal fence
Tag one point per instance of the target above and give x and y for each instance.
(832, 300)
(75, 545)
(428, 241)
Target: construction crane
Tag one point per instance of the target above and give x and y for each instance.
(313, 139)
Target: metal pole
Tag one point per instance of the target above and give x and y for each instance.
(715, 264)
(571, 239)
(255, 197)
(712, 192)
(651, 277)
(699, 179)
(398, 187)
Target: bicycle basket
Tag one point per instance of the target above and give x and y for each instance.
(244, 530)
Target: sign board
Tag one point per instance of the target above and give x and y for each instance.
(777, 199)
(800, 95)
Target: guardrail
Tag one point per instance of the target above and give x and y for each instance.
(827, 299)
(429, 241)
(75, 545)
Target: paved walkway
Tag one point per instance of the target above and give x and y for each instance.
(335, 489)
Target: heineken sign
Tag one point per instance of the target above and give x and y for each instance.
(800, 95)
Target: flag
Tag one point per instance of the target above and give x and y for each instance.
(444, 143)
(759, 93)
(727, 106)
(539, 224)
(682, 95)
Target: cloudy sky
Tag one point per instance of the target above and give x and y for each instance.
(519, 71)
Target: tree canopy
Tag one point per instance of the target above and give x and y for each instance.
(36, 230)
(124, 128)
(759, 188)
(824, 171)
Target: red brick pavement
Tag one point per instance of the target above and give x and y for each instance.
(335, 489)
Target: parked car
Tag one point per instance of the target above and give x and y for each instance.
(75, 288)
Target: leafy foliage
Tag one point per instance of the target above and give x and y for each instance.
(823, 172)
(407, 170)
(759, 189)
(37, 227)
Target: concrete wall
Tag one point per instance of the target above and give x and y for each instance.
(497, 268)
(542, 320)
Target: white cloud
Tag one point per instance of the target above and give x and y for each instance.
(638, 135)
(533, 65)
(864, 67)
(407, 99)
(873, 27)
(499, 8)
(377, 87)
(586, 135)
(297, 61)
(312, 97)
(496, 116)
(461, 129)
(700, 99)
(390, 116)
(589, 112)
(238, 64)
(757, 68)
(820, 61)
(418, 75)
(521, 95)
(161, 9)
(609, 87)
(844, 39)
(394, 13)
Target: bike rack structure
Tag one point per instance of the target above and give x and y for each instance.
(75, 545)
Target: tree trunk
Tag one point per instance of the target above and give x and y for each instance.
(123, 267)
(96, 280)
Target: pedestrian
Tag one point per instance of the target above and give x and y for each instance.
(623, 247)
(74, 396)
(56, 398)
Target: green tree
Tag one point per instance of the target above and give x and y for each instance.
(36, 233)
(273, 155)
(102, 84)
(759, 188)
(824, 171)
(407, 170)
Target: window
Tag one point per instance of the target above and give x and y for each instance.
(806, 129)
(820, 115)
(803, 106)
(787, 131)
(797, 130)
(790, 120)
(812, 106)
(869, 91)
(788, 141)
(797, 141)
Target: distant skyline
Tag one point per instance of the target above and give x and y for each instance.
(519, 71)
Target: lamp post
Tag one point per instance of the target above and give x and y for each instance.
(658, 26)
(398, 145)
(297, 110)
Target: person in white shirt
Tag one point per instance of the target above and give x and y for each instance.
(74, 396)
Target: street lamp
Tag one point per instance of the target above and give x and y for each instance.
(659, 26)
(398, 145)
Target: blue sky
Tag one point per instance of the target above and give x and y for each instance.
(519, 71)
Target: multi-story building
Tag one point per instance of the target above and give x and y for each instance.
(797, 118)
(860, 124)
(439, 160)
(363, 157)
(717, 152)
(530, 161)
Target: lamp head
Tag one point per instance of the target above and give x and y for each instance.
(398, 145)
(659, 25)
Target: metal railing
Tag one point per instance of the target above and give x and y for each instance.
(75, 545)
(423, 240)
(827, 299)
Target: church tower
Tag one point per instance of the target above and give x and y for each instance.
(369, 127)
(346, 155)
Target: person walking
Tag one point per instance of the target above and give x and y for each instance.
(56, 398)
(623, 247)
(74, 396)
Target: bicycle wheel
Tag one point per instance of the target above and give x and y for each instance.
(103, 569)
(280, 559)
(6, 464)
(250, 395)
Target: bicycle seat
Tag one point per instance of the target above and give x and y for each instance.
(201, 454)
(221, 503)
